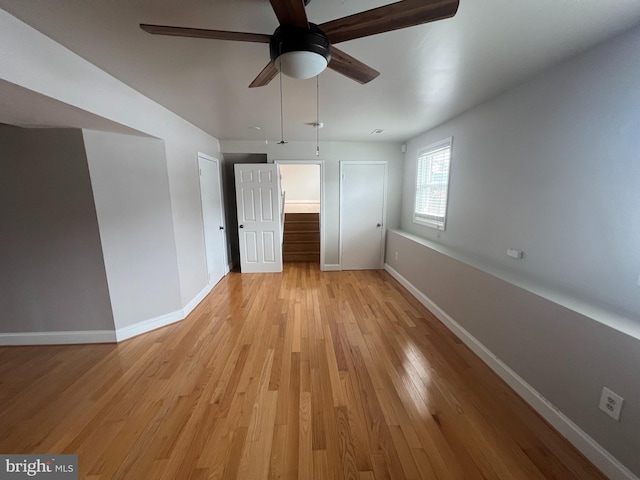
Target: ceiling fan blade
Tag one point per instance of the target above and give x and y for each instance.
(395, 16)
(204, 33)
(290, 12)
(348, 66)
(267, 74)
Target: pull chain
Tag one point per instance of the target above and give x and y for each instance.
(281, 142)
(317, 115)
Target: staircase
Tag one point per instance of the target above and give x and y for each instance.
(301, 237)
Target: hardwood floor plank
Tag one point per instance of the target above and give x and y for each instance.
(305, 437)
(347, 448)
(299, 375)
(235, 452)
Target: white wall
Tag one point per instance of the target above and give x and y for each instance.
(552, 168)
(52, 275)
(331, 153)
(131, 192)
(36, 63)
(301, 183)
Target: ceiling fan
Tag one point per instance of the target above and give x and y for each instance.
(301, 49)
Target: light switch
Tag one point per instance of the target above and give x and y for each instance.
(514, 253)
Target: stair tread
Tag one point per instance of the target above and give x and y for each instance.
(301, 257)
(301, 237)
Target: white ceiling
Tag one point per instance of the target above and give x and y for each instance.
(429, 73)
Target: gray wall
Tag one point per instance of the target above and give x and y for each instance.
(52, 271)
(27, 61)
(131, 191)
(551, 168)
(566, 356)
(331, 153)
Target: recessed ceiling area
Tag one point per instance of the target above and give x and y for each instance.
(429, 73)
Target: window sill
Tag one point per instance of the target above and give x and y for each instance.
(428, 223)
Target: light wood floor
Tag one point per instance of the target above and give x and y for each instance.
(308, 374)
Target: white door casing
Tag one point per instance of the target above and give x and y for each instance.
(259, 222)
(212, 217)
(363, 187)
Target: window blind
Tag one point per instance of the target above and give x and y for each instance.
(432, 184)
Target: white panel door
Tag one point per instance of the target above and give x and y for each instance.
(212, 218)
(259, 226)
(362, 216)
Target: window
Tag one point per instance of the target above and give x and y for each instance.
(432, 184)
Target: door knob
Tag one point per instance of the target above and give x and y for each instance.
(220, 228)
(241, 226)
(379, 225)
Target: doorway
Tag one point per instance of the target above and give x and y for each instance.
(302, 185)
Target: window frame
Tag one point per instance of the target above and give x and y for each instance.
(422, 219)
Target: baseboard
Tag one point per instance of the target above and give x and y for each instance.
(103, 336)
(331, 267)
(58, 338)
(195, 301)
(163, 320)
(148, 325)
(591, 449)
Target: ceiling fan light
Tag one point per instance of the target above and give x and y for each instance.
(300, 52)
(301, 64)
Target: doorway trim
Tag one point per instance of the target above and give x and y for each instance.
(322, 196)
(384, 202)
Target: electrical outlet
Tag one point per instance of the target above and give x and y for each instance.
(611, 403)
(395, 256)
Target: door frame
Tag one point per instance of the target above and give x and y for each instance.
(322, 208)
(384, 202)
(216, 161)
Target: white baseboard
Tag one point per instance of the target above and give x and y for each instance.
(145, 326)
(591, 449)
(163, 320)
(331, 267)
(103, 336)
(58, 338)
(195, 301)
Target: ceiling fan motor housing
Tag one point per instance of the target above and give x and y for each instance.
(290, 38)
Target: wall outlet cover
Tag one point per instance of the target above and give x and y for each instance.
(611, 403)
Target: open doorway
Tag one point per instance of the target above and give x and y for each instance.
(302, 186)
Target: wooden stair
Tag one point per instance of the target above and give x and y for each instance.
(301, 237)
